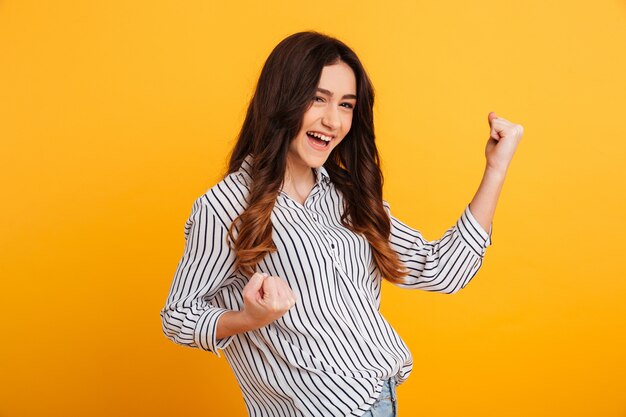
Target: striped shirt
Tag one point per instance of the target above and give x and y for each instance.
(329, 354)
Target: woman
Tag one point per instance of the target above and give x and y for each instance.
(284, 257)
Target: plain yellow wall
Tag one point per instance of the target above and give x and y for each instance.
(116, 115)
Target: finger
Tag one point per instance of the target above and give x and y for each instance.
(280, 288)
(493, 134)
(492, 115)
(253, 290)
(255, 282)
(287, 294)
(269, 287)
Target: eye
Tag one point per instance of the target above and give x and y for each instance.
(318, 98)
(347, 105)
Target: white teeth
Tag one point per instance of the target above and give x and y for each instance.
(320, 136)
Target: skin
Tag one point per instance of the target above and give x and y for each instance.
(330, 114)
(267, 298)
(504, 137)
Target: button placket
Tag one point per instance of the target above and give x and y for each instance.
(332, 245)
(308, 204)
(334, 251)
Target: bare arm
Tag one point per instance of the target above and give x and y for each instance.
(232, 322)
(483, 205)
(503, 140)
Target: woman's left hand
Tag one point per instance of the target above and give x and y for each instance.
(504, 137)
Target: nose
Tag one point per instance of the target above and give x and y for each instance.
(331, 118)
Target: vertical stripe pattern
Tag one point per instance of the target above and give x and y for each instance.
(330, 354)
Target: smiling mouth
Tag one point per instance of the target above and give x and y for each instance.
(319, 139)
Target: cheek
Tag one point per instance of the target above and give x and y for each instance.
(347, 123)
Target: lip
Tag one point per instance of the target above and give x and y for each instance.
(323, 133)
(317, 147)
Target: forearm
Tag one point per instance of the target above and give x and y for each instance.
(483, 205)
(232, 322)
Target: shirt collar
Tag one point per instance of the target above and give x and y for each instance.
(245, 170)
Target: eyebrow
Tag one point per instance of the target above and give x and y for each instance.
(322, 90)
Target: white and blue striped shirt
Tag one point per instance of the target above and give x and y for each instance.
(329, 354)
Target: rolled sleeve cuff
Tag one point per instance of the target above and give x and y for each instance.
(206, 328)
(473, 233)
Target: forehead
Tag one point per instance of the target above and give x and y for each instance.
(338, 78)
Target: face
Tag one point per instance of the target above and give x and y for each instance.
(328, 119)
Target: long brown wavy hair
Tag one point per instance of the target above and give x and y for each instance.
(284, 92)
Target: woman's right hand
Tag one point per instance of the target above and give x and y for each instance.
(266, 298)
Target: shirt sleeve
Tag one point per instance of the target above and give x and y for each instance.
(445, 265)
(190, 316)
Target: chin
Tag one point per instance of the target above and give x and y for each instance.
(316, 161)
(302, 153)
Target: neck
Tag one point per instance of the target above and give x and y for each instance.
(299, 175)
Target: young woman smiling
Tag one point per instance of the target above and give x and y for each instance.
(284, 257)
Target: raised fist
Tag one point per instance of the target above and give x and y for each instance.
(266, 298)
(504, 137)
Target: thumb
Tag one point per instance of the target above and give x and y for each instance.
(270, 288)
(493, 132)
(255, 283)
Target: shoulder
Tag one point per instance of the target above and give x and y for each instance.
(226, 199)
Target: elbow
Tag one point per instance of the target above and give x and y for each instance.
(459, 286)
(454, 290)
(173, 329)
(465, 278)
(452, 283)
(181, 328)
(451, 288)
(460, 272)
(166, 326)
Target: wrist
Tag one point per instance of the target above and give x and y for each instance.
(496, 173)
(246, 322)
(232, 322)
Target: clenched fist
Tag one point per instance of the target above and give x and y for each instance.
(504, 137)
(266, 298)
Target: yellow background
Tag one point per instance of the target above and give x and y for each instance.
(116, 115)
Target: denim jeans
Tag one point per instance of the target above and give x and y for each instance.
(387, 404)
